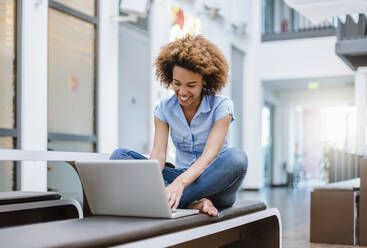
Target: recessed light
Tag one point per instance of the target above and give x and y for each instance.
(313, 85)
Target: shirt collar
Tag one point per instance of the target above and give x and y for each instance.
(204, 106)
(172, 102)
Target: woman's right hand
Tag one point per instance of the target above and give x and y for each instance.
(174, 192)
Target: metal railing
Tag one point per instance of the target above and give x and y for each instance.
(281, 22)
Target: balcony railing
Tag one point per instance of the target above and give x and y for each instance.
(351, 46)
(281, 22)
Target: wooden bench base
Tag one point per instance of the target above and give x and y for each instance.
(259, 229)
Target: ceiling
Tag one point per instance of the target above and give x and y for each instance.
(302, 84)
(319, 10)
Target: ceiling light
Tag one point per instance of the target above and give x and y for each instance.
(313, 85)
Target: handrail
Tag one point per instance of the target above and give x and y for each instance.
(26, 155)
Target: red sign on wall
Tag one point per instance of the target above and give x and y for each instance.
(73, 83)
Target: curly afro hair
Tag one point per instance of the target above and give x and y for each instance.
(197, 54)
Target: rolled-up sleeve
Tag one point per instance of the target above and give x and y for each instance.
(224, 108)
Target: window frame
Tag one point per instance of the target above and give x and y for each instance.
(15, 132)
(94, 20)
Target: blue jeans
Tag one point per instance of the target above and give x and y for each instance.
(220, 182)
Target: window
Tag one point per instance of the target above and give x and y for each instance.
(72, 29)
(8, 125)
(7, 169)
(61, 177)
(87, 7)
(7, 64)
(71, 74)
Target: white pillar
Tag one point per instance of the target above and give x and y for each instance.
(108, 34)
(160, 21)
(34, 18)
(360, 90)
(252, 129)
(291, 136)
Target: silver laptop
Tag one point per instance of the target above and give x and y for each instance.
(127, 188)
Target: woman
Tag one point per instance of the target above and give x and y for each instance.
(208, 173)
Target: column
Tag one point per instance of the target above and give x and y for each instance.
(33, 55)
(107, 68)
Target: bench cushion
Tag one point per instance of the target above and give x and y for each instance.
(99, 231)
(14, 197)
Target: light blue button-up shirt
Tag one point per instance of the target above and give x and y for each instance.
(190, 139)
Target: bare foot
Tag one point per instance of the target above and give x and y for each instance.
(206, 206)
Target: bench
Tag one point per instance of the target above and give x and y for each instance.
(334, 212)
(339, 210)
(247, 223)
(25, 207)
(363, 203)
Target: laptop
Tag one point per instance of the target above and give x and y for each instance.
(127, 188)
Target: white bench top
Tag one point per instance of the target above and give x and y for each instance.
(22, 155)
(349, 185)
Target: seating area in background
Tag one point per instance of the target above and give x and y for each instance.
(339, 209)
(343, 165)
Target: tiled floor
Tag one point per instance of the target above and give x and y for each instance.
(294, 208)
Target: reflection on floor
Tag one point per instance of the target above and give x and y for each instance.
(294, 208)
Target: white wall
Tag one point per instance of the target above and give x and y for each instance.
(329, 97)
(301, 58)
(160, 21)
(34, 92)
(107, 122)
(134, 89)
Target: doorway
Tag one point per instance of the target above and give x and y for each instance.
(267, 134)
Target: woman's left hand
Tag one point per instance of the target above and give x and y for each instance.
(174, 193)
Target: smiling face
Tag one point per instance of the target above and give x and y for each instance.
(187, 86)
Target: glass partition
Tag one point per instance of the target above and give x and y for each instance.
(7, 88)
(61, 177)
(7, 64)
(87, 7)
(71, 90)
(6, 142)
(70, 146)
(6, 167)
(71, 77)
